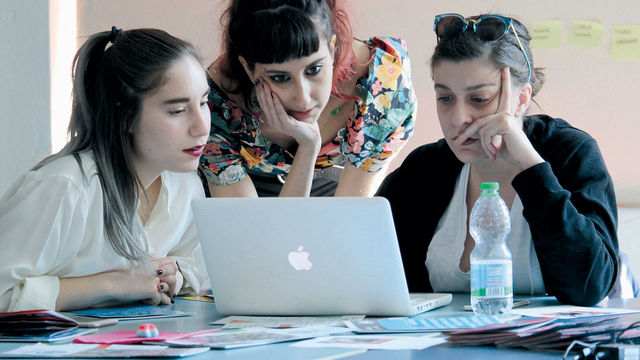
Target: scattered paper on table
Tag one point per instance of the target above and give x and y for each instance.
(425, 324)
(131, 337)
(40, 350)
(238, 322)
(235, 338)
(46, 336)
(569, 312)
(379, 342)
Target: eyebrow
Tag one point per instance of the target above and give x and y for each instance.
(470, 88)
(182, 100)
(275, 71)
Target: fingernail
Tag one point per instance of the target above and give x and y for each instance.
(258, 81)
(159, 272)
(173, 301)
(162, 287)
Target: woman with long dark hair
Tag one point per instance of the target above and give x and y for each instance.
(101, 221)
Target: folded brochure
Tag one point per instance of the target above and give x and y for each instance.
(235, 338)
(425, 324)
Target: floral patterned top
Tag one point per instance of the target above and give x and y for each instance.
(380, 124)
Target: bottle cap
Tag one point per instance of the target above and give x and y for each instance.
(489, 186)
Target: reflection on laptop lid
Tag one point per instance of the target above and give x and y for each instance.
(305, 256)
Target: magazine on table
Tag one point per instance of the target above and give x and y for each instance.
(39, 326)
(244, 337)
(553, 333)
(426, 324)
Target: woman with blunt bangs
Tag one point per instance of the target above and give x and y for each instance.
(551, 174)
(107, 219)
(300, 107)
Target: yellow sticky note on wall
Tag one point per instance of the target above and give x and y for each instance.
(586, 33)
(625, 42)
(546, 34)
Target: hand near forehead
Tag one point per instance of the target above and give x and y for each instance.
(275, 116)
(501, 133)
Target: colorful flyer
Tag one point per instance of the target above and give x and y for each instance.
(381, 342)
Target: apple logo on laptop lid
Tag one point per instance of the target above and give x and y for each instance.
(299, 260)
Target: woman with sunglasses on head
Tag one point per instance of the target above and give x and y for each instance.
(552, 175)
(295, 99)
(108, 218)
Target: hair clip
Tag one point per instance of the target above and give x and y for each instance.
(114, 34)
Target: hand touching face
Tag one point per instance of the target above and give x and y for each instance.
(304, 130)
(481, 114)
(302, 85)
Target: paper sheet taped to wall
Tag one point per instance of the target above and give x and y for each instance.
(586, 33)
(625, 41)
(546, 34)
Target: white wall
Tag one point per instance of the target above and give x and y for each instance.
(584, 85)
(194, 20)
(25, 115)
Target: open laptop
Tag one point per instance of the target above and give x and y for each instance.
(306, 256)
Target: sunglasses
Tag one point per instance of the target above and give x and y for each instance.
(486, 28)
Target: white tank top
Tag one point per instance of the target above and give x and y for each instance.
(447, 244)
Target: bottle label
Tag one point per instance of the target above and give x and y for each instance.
(491, 278)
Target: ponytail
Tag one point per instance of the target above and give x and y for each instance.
(112, 73)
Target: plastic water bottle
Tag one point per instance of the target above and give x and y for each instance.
(491, 265)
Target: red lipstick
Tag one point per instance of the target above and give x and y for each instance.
(195, 151)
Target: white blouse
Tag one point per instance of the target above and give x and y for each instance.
(51, 227)
(447, 245)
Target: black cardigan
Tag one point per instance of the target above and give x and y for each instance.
(568, 201)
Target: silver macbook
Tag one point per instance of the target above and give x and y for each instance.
(306, 256)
